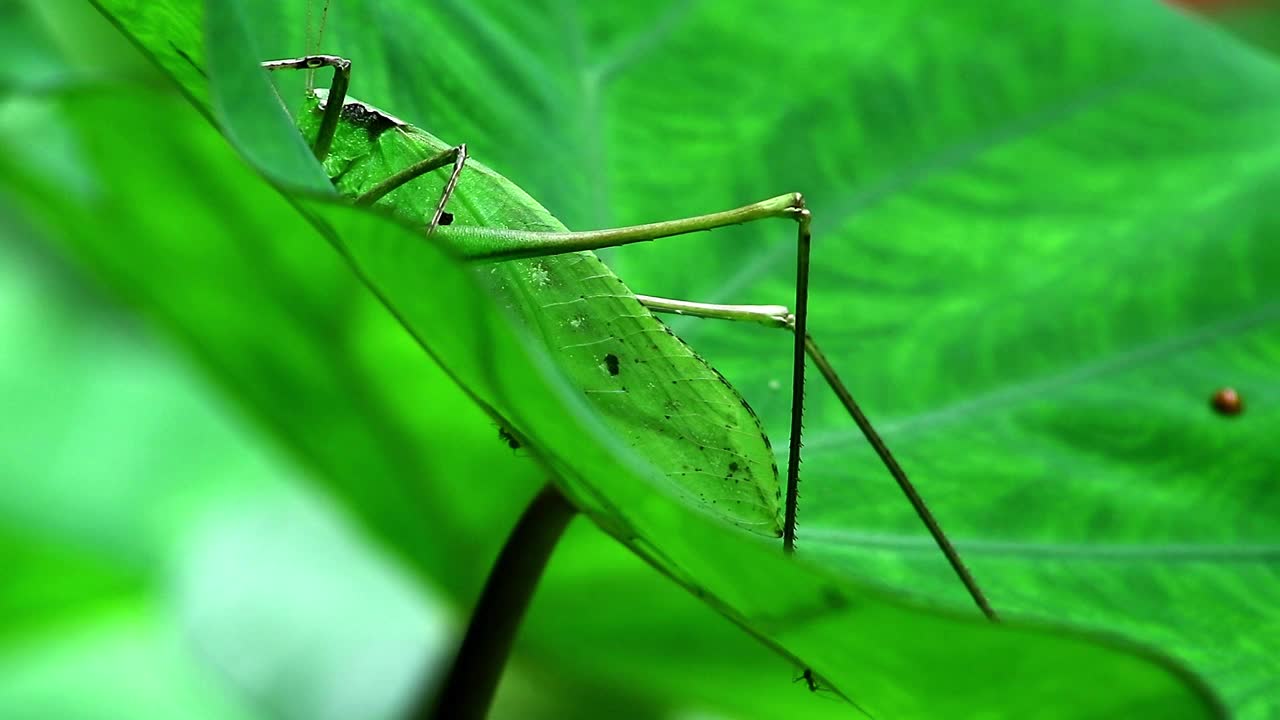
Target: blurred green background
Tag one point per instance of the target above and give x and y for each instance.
(1045, 236)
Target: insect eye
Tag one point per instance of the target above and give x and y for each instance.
(1226, 401)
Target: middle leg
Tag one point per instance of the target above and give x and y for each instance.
(457, 156)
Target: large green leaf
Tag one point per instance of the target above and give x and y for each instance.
(554, 165)
(1039, 253)
(785, 602)
(1039, 257)
(984, 208)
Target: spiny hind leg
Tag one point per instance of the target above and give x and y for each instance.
(333, 101)
(779, 316)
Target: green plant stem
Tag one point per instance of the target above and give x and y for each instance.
(468, 689)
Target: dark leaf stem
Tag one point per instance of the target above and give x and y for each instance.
(468, 688)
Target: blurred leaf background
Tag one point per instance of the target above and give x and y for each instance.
(1033, 283)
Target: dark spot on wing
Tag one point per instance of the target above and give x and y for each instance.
(612, 364)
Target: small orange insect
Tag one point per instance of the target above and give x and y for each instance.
(1226, 401)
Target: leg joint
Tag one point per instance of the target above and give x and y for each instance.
(310, 62)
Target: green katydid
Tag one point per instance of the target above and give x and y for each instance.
(652, 389)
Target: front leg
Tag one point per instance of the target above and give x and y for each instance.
(334, 101)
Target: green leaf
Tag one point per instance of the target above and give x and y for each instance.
(1033, 282)
(1036, 185)
(1037, 256)
(757, 582)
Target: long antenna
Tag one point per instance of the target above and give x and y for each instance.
(315, 37)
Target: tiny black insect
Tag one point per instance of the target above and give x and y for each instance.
(809, 679)
(612, 364)
(506, 436)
